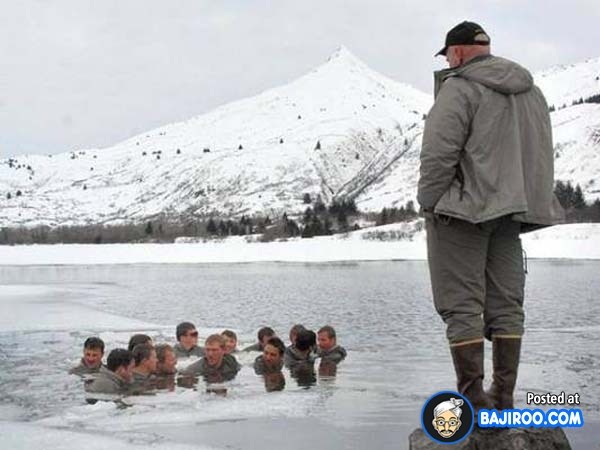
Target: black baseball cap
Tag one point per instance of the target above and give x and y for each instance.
(465, 33)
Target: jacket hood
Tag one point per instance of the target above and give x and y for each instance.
(496, 73)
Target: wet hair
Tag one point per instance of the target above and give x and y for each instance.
(141, 352)
(295, 329)
(329, 330)
(230, 334)
(306, 339)
(138, 339)
(94, 343)
(277, 343)
(162, 350)
(119, 357)
(264, 332)
(215, 338)
(183, 328)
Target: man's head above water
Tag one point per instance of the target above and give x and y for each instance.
(93, 350)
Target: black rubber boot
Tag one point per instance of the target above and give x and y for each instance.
(468, 363)
(507, 352)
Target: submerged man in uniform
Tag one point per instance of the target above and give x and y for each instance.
(272, 358)
(91, 362)
(166, 367)
(138, 339)
(115, 378)
(264, 334)
(302, 351)
(145, 366)
(230, 341)
(216, 366)
(167, 360)
(187, 341)
(294, 333)
(328, 349)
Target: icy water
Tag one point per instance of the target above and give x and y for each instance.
(382, 311)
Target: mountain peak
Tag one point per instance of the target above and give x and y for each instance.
(343, 55)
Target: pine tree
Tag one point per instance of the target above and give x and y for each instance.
(342, 220)
(306, 199)
(578, 198)
(222, 228)
(383, 217)
(410, 210)
(211, 228)
(319, 205)
(148, 230)
(308, 213)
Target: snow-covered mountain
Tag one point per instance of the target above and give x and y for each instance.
(335, 131)
(564, 84)
(342, 130)
(576, 127)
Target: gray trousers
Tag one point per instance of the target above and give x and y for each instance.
(477, 276)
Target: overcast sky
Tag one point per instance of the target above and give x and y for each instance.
(88, 73)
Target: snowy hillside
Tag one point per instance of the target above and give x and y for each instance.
(342, 130)
(576, 127)
(567, 83)
(577, 147)
(335, 130)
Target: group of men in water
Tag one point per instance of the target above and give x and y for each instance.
(145, 367)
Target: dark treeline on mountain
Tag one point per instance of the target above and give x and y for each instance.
(573, 201)
(318, 219)
(581, 101)
(393, 215)
(161, 230)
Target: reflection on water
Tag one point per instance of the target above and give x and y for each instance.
(384, 317)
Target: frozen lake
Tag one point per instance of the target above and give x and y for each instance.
(382, 311)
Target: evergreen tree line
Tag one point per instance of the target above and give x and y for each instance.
(591, 99)
(573, 201)
(318, 219)
(162, 230)
(393, 215)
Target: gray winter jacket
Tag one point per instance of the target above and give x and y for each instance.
(487, 147)
(107, 382)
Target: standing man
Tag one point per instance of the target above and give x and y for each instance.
(487, 175)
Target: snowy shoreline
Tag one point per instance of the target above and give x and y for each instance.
(573, 241)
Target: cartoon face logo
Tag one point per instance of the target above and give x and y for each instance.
(446, 417)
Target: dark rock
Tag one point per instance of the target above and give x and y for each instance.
(498, 439)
